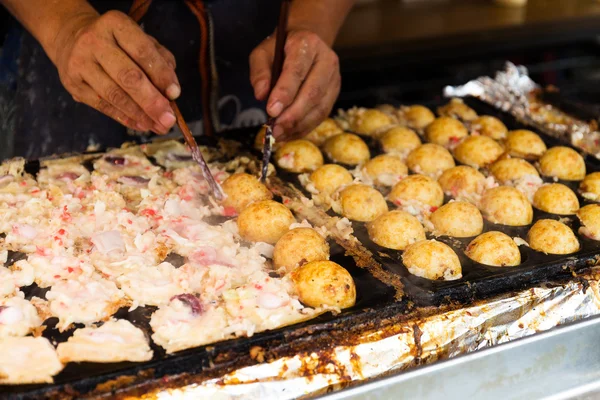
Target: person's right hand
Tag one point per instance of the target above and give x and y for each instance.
(108, 62)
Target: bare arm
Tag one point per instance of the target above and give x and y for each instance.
(310, 80)
(105, 61)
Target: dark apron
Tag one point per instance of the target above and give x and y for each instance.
(48, 121)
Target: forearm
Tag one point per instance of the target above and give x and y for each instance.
(49, 20)
(323, 17)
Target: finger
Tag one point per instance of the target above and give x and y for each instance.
(166, 54)
(137, 44)
(103, 84)
(261, 60)
(313, 118)
(321, 81)
(85, 94)
(299, 57)
(134, 82)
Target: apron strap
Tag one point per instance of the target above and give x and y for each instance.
(139, 8)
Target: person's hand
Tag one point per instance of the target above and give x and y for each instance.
(110, 64)
(307, 88)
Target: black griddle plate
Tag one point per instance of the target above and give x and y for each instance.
(375, 303)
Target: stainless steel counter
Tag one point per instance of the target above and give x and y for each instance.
(563, 363)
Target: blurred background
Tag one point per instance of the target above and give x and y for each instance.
(407, 50)
(403, 51)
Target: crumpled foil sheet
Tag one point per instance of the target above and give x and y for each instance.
(513, 91)
(419, 341)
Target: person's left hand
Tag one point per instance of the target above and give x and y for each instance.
(307, 88)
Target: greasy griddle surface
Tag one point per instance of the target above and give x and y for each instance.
(375, 307)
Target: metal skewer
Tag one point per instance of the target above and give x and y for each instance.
(197, 155)
(275, 73)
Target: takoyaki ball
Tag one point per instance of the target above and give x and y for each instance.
(417, 116)
(259, 140)
(385, 169)
(489, 126)
(552, 237)
(370, 122)
(298, 247)
(461, 179)
(324, 131)
(324, 283)
(526, 144)
(478, 151)
(417, 188)
(430, 159)
(457, 219)
(347, 148)
(264, 221)
(456, 108)
(362, 203)
(446, 131)
(505, 205)
(399, 140)
(494, 248)
(242, 189)
(330, 177)
(590, 221)
(556, 198)
(563, 163)
(396, 230)
(590, 187)
(433, 260)
(299, 156)
(511, 169)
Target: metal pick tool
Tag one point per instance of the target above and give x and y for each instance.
(275, 73)
(216, 189)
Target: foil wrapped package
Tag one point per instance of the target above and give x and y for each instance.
(416, 341)
(513, 91)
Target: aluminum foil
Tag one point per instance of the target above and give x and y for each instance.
(415, 342)
(513, 91)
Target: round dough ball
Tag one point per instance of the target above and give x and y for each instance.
(563, 163)
(324, 131)
(494, 248)
(478, 151)
(430, 159)
(457, 219)
(330, 177)
(446, 131)
(385, 169)
(523, 143)
(324, 283)
(347, 148)
(433, 260)
(259, 140)
(489, 126)
(590, 221)
(556, 198)
(417, 116)
(396, 230)
(264, 221)
(299, 156)
(399, 140)
(590, 187)
(242, 189)
(457, 108)
(362, 203)
(511, 169)
(370, 122)
(417, 188)
(461, 180)
(299, 246)
(505, 205)
(552, 237)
